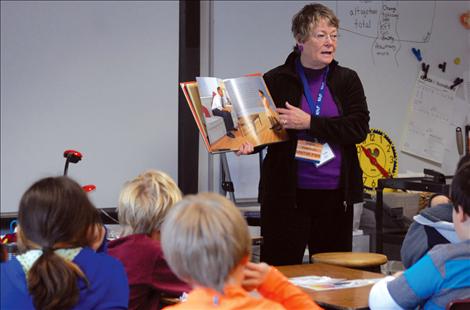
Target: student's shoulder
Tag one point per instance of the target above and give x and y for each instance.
(442, 253)
(134, 242)
(14, 290)
(451, 249)
(11, 264)
(11, 271)
(247, 303)
(98, 262)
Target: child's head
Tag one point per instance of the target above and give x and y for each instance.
(204, 239)
(55, 213)
(144, 202)
(460, 196)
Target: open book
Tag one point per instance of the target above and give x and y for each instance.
(232, 111)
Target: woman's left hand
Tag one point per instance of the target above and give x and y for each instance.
(245, 149)
(293, 118)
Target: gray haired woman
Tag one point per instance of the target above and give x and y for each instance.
(307, 196)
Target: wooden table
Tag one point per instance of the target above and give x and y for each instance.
(349, 298)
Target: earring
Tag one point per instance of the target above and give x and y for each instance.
(300, 47)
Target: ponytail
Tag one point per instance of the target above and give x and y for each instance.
(54, 213)
(52, 282)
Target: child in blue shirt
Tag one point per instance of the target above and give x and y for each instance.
(58, 268)
(443, 274)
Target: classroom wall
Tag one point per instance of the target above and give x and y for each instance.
(255, 36)
(100, 77)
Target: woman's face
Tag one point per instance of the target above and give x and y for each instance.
(320, 47)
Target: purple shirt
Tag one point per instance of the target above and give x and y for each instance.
(308, 175)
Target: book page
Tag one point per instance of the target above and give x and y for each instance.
(217, 113)
(252, 101)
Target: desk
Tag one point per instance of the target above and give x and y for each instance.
(349, 298)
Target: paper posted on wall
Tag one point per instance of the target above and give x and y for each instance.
(429, 119)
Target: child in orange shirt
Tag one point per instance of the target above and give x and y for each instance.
(206, 242)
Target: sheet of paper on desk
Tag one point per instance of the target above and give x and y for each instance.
(318, 283)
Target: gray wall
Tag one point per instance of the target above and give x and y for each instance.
(98, 77)
(255, 36)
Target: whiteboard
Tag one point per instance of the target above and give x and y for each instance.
(100, 77)
(376, 41)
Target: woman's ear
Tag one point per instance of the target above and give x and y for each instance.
(299, 44)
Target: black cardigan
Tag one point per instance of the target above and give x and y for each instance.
(279, 170)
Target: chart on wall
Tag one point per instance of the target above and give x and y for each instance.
(430, 117)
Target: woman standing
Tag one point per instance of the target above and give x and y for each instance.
(307, 200)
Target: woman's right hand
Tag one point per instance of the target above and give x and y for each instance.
(245, 149)
(293, 117)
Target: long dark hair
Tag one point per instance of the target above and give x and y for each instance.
(55, 213)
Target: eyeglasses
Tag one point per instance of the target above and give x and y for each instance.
(323, 37)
